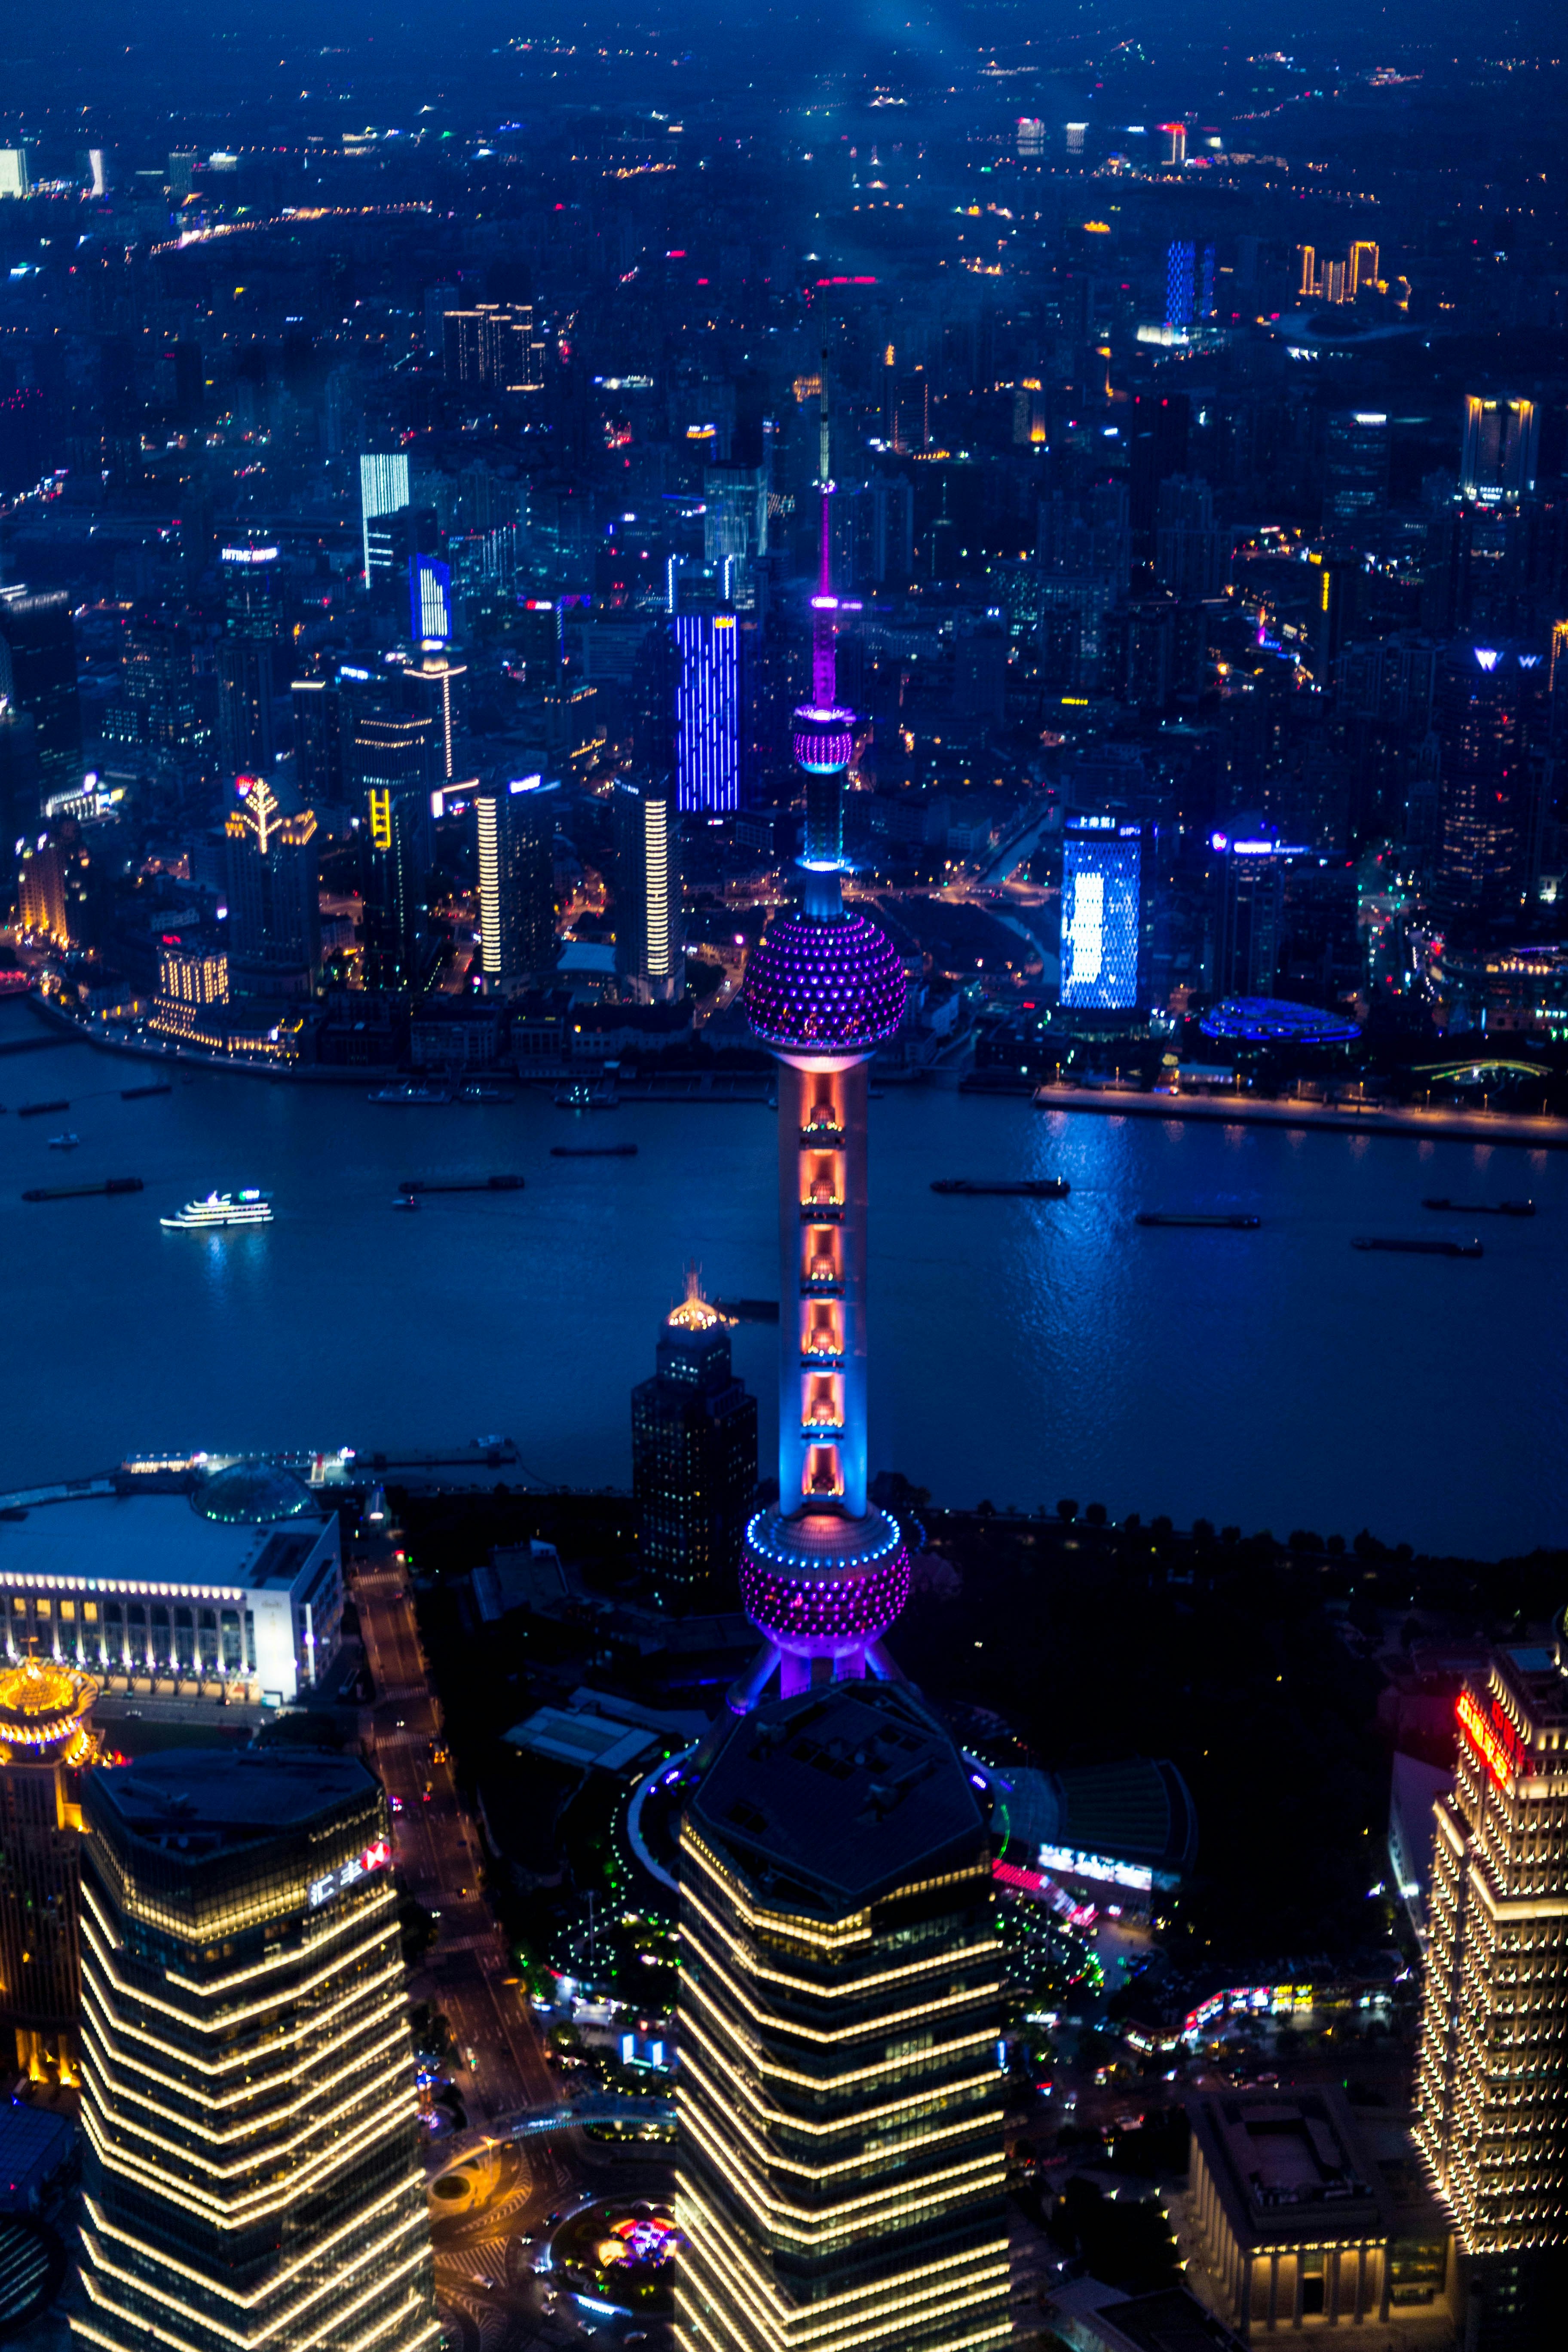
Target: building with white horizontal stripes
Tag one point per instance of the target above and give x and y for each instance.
(840, 2172)
(252, 2173)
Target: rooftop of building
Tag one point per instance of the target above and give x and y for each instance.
(1301, 2164)
(216, 1798)
(250, 1528)
(837, 1797)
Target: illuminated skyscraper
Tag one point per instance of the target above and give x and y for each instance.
(274, 919)
(1492, 715)
(429, 601)
(253, 2175)
(1355, 472)
(516, 827)
(39, 641)
(1181, 292)
(1101, 913)
(708, 714)
(46, 1744)
(647, 889)
(382, 493)
(433, 690)
(246, 674)
(841, 2168)
(389, 764)
(1492, 2119)
(824, 1573)
(694, 1455)
(1498, 460)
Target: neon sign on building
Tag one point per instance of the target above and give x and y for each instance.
(1495, 1742)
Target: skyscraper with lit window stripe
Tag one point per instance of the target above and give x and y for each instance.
(1492, 2120)
(840, 2179)
(708, 714)
(252, 2174)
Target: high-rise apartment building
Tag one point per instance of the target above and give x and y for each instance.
(1492, 2119)
(515, 821)
(1180, 284)
(274, 919)
(648, 947)
(1502, 438)
(20, 804)
(1101, 913)
(840, 2177)
(708, 713)
(388, 772)
(694, 1454)
(252, 2173)
(433, 690)
(160, 673)
(1192, 551)
(39, 640)
(1492, 715)
(46, 1745)
(1355, 472)
(493, 346)
(246, 676)
(1249, 869)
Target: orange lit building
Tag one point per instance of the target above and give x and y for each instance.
(46, 1743)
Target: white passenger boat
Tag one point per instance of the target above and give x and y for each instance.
(247, 1208)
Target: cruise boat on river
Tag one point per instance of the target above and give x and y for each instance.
(247, 1208)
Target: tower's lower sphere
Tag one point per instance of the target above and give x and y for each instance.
(820, 1585)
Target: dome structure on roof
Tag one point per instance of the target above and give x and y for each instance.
(253, 1495)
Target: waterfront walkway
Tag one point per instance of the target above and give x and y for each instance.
(1446, 1124)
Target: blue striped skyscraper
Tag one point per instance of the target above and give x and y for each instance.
(708, 714)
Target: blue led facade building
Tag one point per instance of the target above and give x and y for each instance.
(429, 601)
(1180, 290)
(1102, 880)
(708, 714)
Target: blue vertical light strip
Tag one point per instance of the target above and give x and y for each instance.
(708, 711)
(1179, 287)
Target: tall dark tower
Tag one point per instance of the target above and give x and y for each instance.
(823, 1574)
(694, 1453)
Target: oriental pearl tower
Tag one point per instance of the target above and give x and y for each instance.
(824, 1573)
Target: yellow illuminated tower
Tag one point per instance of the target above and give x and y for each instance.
(46, 1742)
(252, 2175)
(1493, 2120)
(841, 2176)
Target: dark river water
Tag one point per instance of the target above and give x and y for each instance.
(1020, 1350)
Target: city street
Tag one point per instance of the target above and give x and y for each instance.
(466, 1976)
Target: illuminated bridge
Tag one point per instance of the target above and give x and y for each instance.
(1472, 1068)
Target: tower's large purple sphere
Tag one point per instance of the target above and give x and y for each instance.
(822, 1585)
(831, 987)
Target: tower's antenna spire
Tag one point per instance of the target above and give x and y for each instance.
(823, 666)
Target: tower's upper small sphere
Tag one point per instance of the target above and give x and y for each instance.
(831, 987)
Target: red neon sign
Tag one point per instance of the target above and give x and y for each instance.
(1494, 1742)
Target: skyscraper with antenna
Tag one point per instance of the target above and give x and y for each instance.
(824, 1573)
